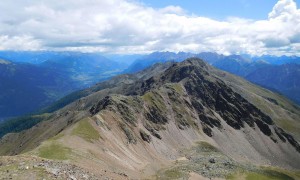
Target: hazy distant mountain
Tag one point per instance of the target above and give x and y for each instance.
(156, 57)
(278, 60)
(124, 59)
(281, 78)
(284, 79)
(32, 57)
(236, 64)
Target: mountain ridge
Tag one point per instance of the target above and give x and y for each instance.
(145, 122)
(241, 65)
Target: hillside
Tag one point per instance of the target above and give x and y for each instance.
(182, 120)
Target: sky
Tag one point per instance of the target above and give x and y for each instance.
(254, 27)
(218, 9)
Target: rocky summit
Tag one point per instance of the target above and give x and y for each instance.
(183, 120)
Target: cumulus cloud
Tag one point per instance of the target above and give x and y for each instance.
(120, 26)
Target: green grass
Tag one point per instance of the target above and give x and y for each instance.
(268, 176)
(57, 137)
(155, 99)
(262, 175)
(171, 174)
(203, 146)
(177, 87)
(54, 151)
(86, 131)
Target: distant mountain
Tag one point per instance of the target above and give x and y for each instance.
(278, 60)
(156, 57)
(283, 78)
(238, 65)
(56, 75)
(124, 58)
(32, 57)
(210, 57)
(170, 121)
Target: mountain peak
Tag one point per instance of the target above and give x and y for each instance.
(4, 62)
(194, 61)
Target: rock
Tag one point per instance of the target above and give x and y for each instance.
(72, 177)
(145, 136)
(207, 130)
(212, 160)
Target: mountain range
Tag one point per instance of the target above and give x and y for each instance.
(170, 121)
(46, 76)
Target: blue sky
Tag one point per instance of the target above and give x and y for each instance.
(221, 9)
(253, 27)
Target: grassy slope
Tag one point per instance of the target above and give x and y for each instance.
(86, 131)
(54, 151)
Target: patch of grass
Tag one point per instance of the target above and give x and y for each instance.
(268, 176)
(182, 116)
(86, 131)
(290, 126)
(58, 136)
(171, 174)
(203, 146)
(156, 106)
(155, 99)
(6, 148)
(54, 151)
(262, 175)
(292, 174)
(175, 86)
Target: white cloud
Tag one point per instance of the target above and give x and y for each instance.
(172, 10)
(119, 26)
(19, 43)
